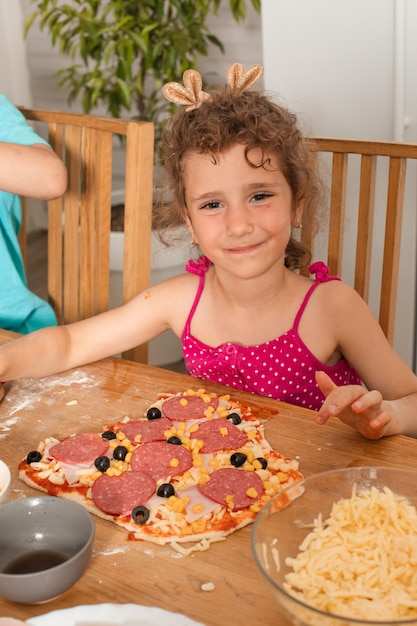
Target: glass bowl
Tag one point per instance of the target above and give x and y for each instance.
(285, 521)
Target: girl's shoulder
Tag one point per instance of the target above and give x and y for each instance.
(340, 300)
(177, 287)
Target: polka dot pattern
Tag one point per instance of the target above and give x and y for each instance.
(282, 369)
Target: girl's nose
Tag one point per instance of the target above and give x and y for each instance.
(238, 221)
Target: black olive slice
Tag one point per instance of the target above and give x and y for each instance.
(262, 461)
(102, 463)
(175, 440)
(33, 457)
(153, 413)
(108, 434)
(166, 490)
(238, 459)
(140, 514)
(234, 418)
(119, 453)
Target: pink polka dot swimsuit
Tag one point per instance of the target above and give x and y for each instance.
(282, 368)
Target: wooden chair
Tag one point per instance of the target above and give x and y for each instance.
(355, 201)
(79, 223)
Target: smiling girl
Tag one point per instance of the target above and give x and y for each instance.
(243, 180)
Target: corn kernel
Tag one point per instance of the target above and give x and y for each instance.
(198, 508)
(174, 462)
(138, 438)
(251, 492)
(197, 460)
(282, 477)
(251, 434)
(230, 501)
(193, 428)
(120, 436)
(224, 431)
(183, 402)
(198, 526)
(249, 453)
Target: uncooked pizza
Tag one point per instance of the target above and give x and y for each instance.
(194, 469)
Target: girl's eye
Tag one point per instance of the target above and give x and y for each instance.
(211, 205)
(260, 196)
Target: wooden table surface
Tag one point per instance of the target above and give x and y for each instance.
(123, 571)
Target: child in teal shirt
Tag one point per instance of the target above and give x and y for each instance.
(28, 167)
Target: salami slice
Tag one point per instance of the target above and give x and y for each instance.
(184, 408)
(161, 460)
(118, 495)
(219, 434)
(230, 481)
(149, 430)
(84, 448)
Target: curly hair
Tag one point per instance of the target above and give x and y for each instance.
(250, 119)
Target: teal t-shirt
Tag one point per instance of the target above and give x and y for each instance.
(20, 310)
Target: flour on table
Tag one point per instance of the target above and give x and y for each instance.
(25, 393)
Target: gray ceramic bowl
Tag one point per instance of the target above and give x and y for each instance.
(284, 522)
(51, 535)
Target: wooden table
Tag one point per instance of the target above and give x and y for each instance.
(122, 571)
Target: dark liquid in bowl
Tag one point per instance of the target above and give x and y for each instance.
(35, 561)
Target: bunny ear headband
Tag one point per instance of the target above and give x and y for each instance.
(192, 93)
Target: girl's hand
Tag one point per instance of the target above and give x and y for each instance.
(363, 410)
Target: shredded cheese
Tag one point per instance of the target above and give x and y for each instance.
(361, 562)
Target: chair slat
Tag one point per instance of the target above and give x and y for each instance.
(138, 222)
(395, 205)
(365, 225)
(337, 212)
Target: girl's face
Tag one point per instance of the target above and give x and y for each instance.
(241, 216)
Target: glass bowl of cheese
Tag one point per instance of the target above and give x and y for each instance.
(339, 548)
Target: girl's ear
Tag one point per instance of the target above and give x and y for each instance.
(191, 230)
(297, 216)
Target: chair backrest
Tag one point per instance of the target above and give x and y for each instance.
(354, 202)
(79, 223)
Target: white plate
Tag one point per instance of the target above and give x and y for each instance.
(112, 615)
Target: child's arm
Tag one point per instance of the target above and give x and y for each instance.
(367, 411)
(34, 171)
(387, 405)
(59, 348)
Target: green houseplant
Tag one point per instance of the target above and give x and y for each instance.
(125, 50)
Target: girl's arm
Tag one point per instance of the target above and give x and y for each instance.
(388, 404)
(58, 348)
(34, 171)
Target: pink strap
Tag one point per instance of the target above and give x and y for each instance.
(321, 271)
(199, 268)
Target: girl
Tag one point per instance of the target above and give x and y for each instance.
(242, 181)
